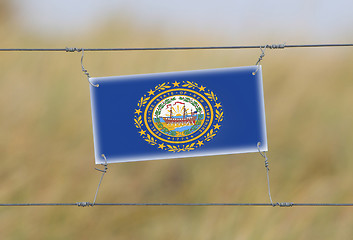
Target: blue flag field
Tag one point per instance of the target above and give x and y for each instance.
(178, 114)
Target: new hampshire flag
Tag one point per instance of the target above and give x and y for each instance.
(178, 114)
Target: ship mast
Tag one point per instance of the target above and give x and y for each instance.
(171, 112)
(184, 112)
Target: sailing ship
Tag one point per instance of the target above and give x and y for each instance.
(180, 121)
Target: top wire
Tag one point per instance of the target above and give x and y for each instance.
(273, 46)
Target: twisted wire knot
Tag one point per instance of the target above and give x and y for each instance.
(67, 49)
(263, 154)
(85, 72)
(276, 46)
(84, 204)
(267, 164)
(261, 56)
(283, 204)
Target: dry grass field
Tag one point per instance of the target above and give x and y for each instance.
(46, 146)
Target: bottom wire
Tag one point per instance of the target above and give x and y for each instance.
(87, 204)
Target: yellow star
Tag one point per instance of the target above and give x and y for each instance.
(142, 132)
(202, 88)
(151, 92)
(216, 126)
(218, 105)
(200, 143)
(176, 84)
(161, 146)
(138, 111)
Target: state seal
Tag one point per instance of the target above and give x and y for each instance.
(179, 116)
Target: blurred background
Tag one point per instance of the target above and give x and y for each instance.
(46, 142)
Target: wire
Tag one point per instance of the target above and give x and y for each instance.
(88, 204)
(273, 46)
(104, 171)
(36, 204)
(284, 204)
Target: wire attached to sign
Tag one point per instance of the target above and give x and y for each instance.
(103, 172)
(85, 71)
(273, 46)
(260, 59)
(263, 154)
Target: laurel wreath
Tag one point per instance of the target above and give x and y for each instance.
(150, 140)
(219, 115)
(138, 121)
(192, 85)
(179, 148)
(143, 101)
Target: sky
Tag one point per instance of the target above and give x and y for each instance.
(316, 20)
